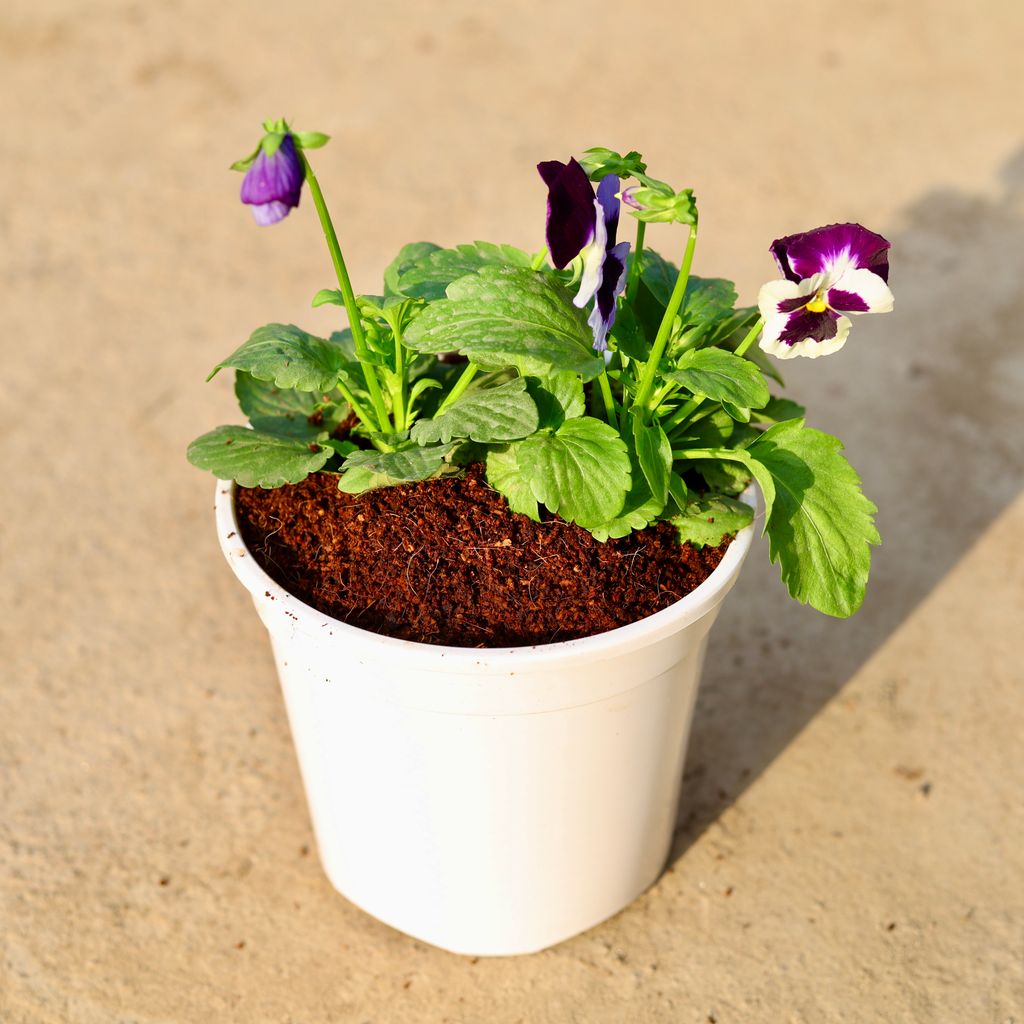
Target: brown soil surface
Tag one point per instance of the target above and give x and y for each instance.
(447, 562)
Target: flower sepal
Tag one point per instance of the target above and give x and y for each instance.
(654, 202)
(598, 162)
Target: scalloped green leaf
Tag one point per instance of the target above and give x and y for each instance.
(722, 377)
(405, 464)
(708, 520)
(504, 413)
(580, 471)
(509, 317)
(428, 278)
(287, 413)
(558, 397)
(505, 476)
(408, 256)
(288, 356)
(254, 458)
(820, 526)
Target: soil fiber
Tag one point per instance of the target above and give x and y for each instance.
(446, 562)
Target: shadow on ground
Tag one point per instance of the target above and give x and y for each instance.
(930, 408)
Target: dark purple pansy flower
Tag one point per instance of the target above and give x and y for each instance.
(829, 272)
(273, 184)
(580, 224)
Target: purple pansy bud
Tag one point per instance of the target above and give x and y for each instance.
(628, 196)
(829, 272)
(273, 184)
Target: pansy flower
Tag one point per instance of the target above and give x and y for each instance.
(580, 224)
(830, 272)
(273, 183)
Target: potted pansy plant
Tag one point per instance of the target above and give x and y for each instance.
(489, 522)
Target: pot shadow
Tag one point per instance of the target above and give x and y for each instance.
(929, 409)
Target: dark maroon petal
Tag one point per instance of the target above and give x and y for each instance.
(275, 179)
(804, 255)
(789, 305)
(846, 302)
(571, 213)
(804, 324)
(606, 197)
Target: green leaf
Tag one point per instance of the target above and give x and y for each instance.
(707, 298)
(405, 464)
(722, 377)
(599, 161)
(678, 490)
(429, 277)
(254, 458)
(726, 477)
(640, 508)
(709, 519)
(820, 527)
(778, 410)
(359, 479)
(654, 455)
(581, 471)
(509, 317)
(310, 140)
(328, 296)
(505, 476)
(288, 356)
(408, 256)
(558, 397)
(628, 336)
(287, 413)
(504, 413)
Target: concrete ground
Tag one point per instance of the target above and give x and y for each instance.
(850, 840)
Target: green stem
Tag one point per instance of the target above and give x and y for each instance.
(650, 370)
(461, 384)
(356, 407)
(634, 269)
(398, 400)
(538, 260)
(349, 298)
(741, 348)
(725, 454)
(609, 401)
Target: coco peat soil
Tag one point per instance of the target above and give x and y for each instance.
(447, 562)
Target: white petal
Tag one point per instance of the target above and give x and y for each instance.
(809, 348)
(593, 261)
(774, 292)
(868, 287)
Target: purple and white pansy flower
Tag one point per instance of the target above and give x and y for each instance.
(830, 272)
(272, 185)
(580, 224)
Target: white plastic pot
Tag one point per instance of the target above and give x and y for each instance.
(490, 802)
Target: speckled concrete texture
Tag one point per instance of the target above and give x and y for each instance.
(850, 837)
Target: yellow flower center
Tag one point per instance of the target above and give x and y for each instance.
(817, 305)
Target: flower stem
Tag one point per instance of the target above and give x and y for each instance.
(538, 260)
(355, 406)
(650, 370)
(348, 297)
(609, 401)
(634, 269)
(741, 348)
(461, 384)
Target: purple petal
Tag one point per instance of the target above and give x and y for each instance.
(628, 197)
(571, 214)
(846, 302)
(266, 214)
(274, 179)
(606, 191)
(823, 249)
(803, 325)
(613, 281)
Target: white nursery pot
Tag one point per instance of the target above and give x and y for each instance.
(490, 802)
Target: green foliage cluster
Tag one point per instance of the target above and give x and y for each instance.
(675, 425)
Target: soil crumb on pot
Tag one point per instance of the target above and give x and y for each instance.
(447, 562)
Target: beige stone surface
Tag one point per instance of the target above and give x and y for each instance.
(850, 840)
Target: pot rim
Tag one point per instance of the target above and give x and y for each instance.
(325, 629)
